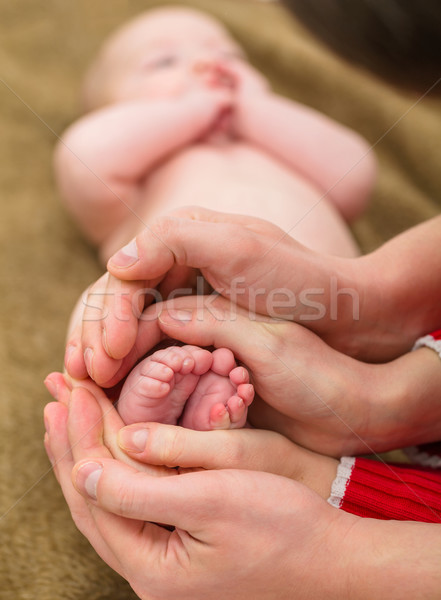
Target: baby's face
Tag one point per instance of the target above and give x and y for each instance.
(175, 51)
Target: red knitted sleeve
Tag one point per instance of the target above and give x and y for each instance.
(403, 492)
(369, 488)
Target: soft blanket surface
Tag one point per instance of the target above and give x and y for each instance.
(46, 264)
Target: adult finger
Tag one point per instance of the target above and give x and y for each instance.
(214, 321)
(185, 501)
(85, 351)
(123, 301)
(193, 242)
(59, 387)
(74, 356)
(174, 446)
(57, 442)
(93, 426)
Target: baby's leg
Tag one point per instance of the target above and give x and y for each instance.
(158, 388)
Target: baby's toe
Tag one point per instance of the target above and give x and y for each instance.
(223, 361)
(202, 359)
(219, 417)
(237, 410)
(239, 375)
(155, 370)
(172, 357)
(148, 387)
(246, 392)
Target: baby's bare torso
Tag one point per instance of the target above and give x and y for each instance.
(238, 178)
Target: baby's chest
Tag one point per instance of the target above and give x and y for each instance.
(208, 167)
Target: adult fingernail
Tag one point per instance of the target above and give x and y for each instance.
(51, 387)
(47, 447)
(68, 355)
(133, 440)
(127, 256)
(88, 358)
(87, 478)
(175, 317)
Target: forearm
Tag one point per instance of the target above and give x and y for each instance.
(125, 140)
(332, 156)
(400, 288)
(408, 403)
(393, 560)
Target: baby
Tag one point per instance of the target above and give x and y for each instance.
(175, 115)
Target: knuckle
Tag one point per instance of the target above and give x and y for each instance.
(171, 451)
(236, 453)
(125, 499)
(163, 225)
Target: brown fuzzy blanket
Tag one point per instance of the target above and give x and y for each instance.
(45, 263)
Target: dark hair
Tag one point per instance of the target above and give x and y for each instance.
(398, 39)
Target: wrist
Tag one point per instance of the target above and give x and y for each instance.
(409, 410)
(204, 105)
(368, 325)
(348, 315)
(327, 562)
(249, 110)
(393, 560)
(316, 471)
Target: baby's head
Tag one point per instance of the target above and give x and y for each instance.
(159, 55)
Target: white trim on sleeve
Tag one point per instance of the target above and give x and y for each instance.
(340, 483)
(429, 342)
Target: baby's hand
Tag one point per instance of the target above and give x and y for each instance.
(221, 100)
(216, 75)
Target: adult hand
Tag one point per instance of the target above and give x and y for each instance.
(309, 392)
(261, 268)
(248, 448)
(314, 395)
(243, 534)
(238, 533)
(99, 438)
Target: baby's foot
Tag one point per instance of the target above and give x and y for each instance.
(206, 388)
(221, 397)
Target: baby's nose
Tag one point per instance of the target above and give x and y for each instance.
(205, 64)
(213, 70)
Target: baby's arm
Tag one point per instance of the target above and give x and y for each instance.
(101, 159)
(336, 159)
